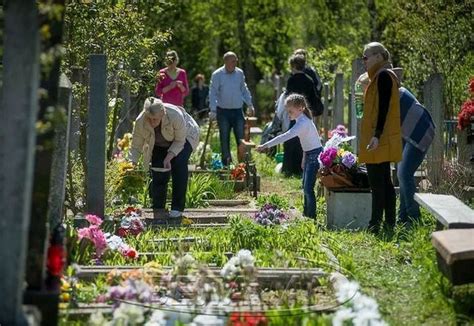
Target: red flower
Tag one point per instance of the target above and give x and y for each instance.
(132, 253)
(238, 173)
(121, 232)
(471, 86)
(247, 319)
(55, 260)
(130, 209)
(464, 116)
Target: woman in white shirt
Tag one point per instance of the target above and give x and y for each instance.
(306, 131)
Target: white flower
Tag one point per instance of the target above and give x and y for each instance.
(127, 314)
(346, 291)
(186, 261)
(114, 242)
(207, 320)
(229, 270)
(97, 319)
(234, 261)
(245, 258)
(341, 316)
(366, 318)
(158, 318)
(363, 302)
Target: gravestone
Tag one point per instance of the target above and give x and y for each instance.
(96, 133)
(43, 288)
(434, 101)
(338, 112)
(61, 148)
(19, 106)
(348, 208)
(74, 134)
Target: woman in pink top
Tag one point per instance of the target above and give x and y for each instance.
(172, 84)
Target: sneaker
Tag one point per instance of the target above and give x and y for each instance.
(175, 214)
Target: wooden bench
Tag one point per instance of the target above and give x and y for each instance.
(448, 210)
(455, 254)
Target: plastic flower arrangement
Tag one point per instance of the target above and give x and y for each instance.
(337, 160)
(94, 234)
(241, 264)
(131, 223)
(238, 172)
(270, 215)
(104, 241)
(467, 109)
(340, 130)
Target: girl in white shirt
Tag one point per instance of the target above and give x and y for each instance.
(306, 131)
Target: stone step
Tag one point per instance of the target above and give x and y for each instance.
(266, 276)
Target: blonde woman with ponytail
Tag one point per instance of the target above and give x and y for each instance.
(307, 133)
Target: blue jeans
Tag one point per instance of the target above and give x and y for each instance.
(179, 172)
(229, 119)
(412, 158)
(311, 167)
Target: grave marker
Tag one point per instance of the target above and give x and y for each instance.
(19, 106)
(96, 133)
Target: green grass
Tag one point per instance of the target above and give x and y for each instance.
(399, 270)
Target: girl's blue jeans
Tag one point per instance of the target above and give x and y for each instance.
(311, 167)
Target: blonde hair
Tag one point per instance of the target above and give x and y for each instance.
(299, 101)
(172, 56)
(375, 48)
(153, 106)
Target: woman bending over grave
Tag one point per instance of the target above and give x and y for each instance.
(307, 133)
(166, 135)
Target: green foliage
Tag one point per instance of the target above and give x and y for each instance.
(199, 190)
(433, 36)
(123, 31)
(273, 199)
(202, 187)
(265, 164)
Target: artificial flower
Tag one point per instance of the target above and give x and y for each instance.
(94, 219)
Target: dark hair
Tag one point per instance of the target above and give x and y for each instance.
(298, 100)
(297, 61)
(199, 77)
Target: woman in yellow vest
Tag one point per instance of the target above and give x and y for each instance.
(380, 139)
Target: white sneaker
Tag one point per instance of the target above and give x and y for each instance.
(175, 214)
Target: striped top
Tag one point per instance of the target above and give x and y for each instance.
(418, 127)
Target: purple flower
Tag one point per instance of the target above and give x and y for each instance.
(340, 130)
(348, 159)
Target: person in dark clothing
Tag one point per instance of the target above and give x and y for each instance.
(380, 139)
(200, 97)
(311, 72)
(298, 83)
